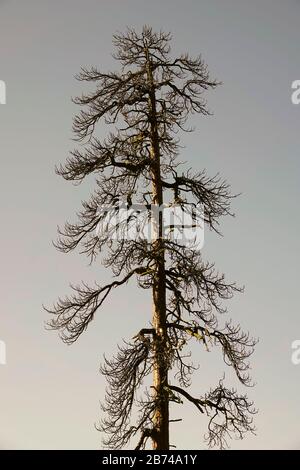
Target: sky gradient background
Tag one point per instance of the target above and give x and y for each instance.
(49, 393)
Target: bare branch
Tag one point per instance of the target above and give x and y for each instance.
(74, 313)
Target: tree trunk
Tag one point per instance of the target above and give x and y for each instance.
(160, 437)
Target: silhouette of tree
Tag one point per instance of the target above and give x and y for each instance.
(148, 103)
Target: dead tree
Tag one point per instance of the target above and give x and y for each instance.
(147, 103)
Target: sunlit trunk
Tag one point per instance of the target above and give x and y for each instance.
(160, 437)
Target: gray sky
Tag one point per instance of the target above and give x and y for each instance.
(49, 393)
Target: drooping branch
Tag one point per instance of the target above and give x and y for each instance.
(125, 374)
(212, 193)
(196, 282)
(73, 314)
(102, 207)
(229, 414)
(128, 153)
(237, 346)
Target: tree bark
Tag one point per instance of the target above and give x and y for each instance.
(160, 437)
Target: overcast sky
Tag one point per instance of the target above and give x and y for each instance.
(49, 393)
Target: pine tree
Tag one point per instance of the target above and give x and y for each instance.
(148, 104)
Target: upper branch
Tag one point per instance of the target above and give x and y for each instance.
(212, 193)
